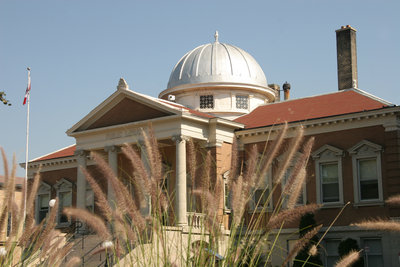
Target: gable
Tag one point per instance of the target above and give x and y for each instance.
(125, 111)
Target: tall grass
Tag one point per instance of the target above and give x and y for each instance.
(141, 239)
(134, 238)
(28, 244)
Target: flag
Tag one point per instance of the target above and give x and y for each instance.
(28, 88)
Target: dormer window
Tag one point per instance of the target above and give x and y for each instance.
(206, 101)
(242, 102)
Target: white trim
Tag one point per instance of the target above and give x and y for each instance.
(386, 117)
(328, 154)
(44, 189)
(116, 98)
(366, 150)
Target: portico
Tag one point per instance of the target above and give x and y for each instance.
(173, 125)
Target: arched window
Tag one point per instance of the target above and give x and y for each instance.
(42, 201)
(64, 194)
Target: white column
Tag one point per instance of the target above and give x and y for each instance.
(113, 162)
(81, 186)
(81, 180)
(180, 181)
(146, 209)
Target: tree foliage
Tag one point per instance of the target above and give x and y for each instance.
(348, 245)
(307, 223)
(3, 98)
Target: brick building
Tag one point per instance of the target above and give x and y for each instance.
(218, 92)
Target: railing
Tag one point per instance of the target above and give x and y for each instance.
(195, 220)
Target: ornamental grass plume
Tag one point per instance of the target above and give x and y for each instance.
(144, 239)
(393, 200)
(28, 244)
(301, 244)
(349, 259)
(379, 224)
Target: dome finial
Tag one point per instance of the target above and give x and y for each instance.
(216, 36)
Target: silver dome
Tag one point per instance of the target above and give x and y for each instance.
(217, 63)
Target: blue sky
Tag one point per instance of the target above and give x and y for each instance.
(78, 50)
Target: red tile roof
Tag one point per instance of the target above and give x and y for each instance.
(338, 103)
(64, 152)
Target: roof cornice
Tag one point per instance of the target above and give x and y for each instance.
(319, 122)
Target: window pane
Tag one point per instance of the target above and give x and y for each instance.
(206, 101)
(260, 197)
(332, 254)
(367, 169)
(375, 261)
(329, 182)
(65, 201)
(375, 246)
(330, 192)
(329, 173)
(369, 190)
(42, 214)
(44, 201)
(373, 252)
(242, 101)
(368, 179)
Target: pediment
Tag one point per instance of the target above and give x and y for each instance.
(122, 108)
(126, 111)
(327, 152)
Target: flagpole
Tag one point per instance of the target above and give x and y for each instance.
(27, 143)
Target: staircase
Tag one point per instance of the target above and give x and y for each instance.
(88, 248)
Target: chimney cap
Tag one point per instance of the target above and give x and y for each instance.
(344, 28)
(286, 86)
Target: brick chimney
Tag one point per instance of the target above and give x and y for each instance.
(346, 57)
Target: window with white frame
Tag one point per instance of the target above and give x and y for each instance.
(331, 253)
(372, 251)
(328, 172)
(286, 177)
(42, 201)
(206, 101)
(242, 101)
(227, 193)
(367, 174)
(64, 194)
(302, 197)
(262, 201)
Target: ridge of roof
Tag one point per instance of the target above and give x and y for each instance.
(312, 107)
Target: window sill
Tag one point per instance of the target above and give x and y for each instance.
(368, 203)
(332, 205)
